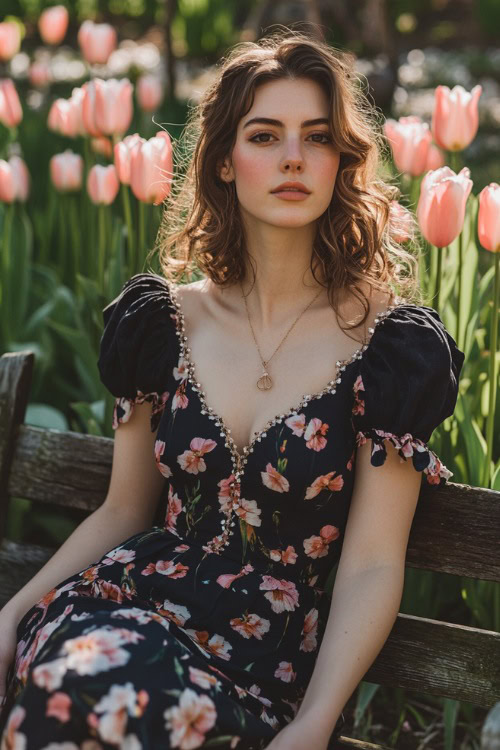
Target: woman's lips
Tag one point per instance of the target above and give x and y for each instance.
(291, 195)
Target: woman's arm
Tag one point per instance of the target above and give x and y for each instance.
(367, 591)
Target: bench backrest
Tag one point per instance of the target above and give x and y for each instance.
(456, 529)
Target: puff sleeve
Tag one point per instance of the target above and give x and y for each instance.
(137, 346)
(407, 385)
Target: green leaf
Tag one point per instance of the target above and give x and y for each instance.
(43, 415)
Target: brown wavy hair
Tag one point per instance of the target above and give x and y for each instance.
(356, 239)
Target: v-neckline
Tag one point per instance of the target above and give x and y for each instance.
(241, 457)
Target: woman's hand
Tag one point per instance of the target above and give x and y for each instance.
(300, 734)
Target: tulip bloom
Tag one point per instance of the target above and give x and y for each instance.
(11, 112)
(10, 40)
(488, 220)
(39, 73)
(435, 158)
(455, 117)
(64, 117)
(149, 92)
(102, 145)
(441, 207)
(107, 107)
(122, 151)
(151, 169)
(97, 41)
(410, 140)
(14, 180)
(66, 171)
(53, 24)
(102, 184)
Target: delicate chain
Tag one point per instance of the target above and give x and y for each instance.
(265, 382)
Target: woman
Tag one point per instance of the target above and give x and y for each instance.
(287, 443)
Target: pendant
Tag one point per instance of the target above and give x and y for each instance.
(264, 383)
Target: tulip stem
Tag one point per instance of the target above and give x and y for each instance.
(6, 256)
(492, 373)
(128, 221)
(439, 251)
(102, 243)
(460, 262)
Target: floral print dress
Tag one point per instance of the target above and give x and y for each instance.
(204, 631)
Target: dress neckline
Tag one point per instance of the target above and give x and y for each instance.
(240, 458)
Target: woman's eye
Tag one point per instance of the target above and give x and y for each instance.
(321, 135)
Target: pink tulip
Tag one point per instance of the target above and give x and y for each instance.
(401, 221)
(455, 117)
(107, 106)
(410, 140)
(39, 73)
(102, 145)
(11, 112)
(10, 40)
(66, 171)
(97, 41)
(488, 219)
(63, 118)
(435, 158)
(441, 207)
(14, 180)
(151, 169)
(102, 184)
(149, 92)
(53, 24)
(122, 151)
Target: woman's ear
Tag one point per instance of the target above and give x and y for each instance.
(226, 172)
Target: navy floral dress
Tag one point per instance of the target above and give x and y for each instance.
(204, 631)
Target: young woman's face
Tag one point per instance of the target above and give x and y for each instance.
(267, 154)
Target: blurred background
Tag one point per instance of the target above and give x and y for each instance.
(86, 84)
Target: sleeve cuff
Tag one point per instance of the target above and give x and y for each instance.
(406, 445)
(124, 407)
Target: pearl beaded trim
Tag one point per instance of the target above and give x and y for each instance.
(239, 460)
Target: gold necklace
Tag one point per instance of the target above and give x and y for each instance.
(264, 383)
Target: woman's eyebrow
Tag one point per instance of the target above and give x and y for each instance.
(272, 121)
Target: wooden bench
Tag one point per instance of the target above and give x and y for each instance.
(456, 530)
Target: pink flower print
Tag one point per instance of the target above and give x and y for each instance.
(201, 678)
(108, 590)
(226, 579)
(181, 371)
(249, 512)
(297, 424)
(120, 555)
(224, 494)
(324, 482)
(174, 508)
(192, 461)
(287, 557)
(216, 645)
(95, 652)
(249, 625)
(314, 434)
(159, 450)
(182, 548)
(317, 546)
(359, 404)
(180, 400)
(285, 672)
(11, 737)
(166, 568)
(350, 463)
(282, 594)
(59, 705)
(309, 631)
(274, 480)
(175, 612)
(255, 690)
(189, 722)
